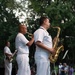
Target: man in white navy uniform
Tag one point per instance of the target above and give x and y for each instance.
(22, 44)
(7, 53)
(44, 47)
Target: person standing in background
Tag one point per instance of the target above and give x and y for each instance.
(71, 70)
(60, 66)
(64, 69)
(8, 54)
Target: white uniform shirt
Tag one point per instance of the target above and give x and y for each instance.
(60, 66)
(20, 44)
(42, 35)
(7, 50)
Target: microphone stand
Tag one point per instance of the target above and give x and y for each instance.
(65, 54)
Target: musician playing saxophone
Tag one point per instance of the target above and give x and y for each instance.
(44, 47)
(22, 45)
(8, 55)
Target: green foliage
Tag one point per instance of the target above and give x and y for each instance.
(8, 26)
(62, 14)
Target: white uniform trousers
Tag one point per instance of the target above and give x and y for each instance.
(43, 66)
(23, 64)
(8, 67)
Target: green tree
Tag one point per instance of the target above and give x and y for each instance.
(62, 14)
(8, 26)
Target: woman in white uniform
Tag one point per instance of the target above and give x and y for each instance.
(44, 47)
(22, 44)
(7, 53)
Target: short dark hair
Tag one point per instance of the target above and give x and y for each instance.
(42, 19)
(6, 42)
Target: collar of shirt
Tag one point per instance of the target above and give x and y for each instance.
(20, 33)
(41, 27)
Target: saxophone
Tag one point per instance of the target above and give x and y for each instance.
(53, 58)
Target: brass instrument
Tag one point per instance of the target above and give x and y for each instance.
(29, 35)
(53, 58)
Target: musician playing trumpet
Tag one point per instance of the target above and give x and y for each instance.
(8, 55)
